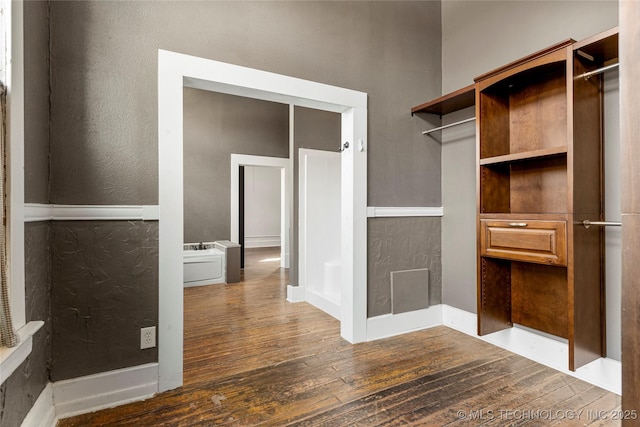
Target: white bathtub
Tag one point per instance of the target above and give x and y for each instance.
(203, 267)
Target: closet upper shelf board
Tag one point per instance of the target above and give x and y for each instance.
(454, 101)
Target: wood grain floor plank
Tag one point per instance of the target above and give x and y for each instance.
(251, 358)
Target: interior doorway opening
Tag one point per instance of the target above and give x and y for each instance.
(176, 71)
(280, 164)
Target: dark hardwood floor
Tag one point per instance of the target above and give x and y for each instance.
(251, 358)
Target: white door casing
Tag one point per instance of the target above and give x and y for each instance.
(175, 71)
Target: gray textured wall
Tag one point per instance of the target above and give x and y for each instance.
(478, 36)
(215, 126)
(104, 84)
(397, 244)
(104, 289)
(20, 391)
(36, 107)
(318, 130)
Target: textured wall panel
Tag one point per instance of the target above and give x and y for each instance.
(216, 125)
(36, 102)
(19, 392)
(401, 244)
(105, 288)
(104, 85)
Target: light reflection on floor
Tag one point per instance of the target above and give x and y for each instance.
(270, 260)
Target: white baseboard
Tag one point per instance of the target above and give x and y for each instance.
(105, 390)
(43, 413)
(389, 325)
(604, 372)
(295, 293)
(329, 306)
(261, 241)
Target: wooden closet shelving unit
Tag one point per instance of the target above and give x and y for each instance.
(539, 175)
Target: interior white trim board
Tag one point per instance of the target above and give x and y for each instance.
(389, 325)
(389, 212)
(43, 212)
(604, 372)
(104, 390)
(264, 242)
(43, 412)
(14, 63)
(90, 393)
(295, 293)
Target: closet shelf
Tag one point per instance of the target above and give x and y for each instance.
(454, 101)
(601, 48)
(523, 156)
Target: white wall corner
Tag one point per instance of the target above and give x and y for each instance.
(43, 413)
(105, 390)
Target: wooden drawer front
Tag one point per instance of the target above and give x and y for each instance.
(542, 242)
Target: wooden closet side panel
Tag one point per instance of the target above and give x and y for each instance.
(630, 151)
(494, 295)
(587, 296)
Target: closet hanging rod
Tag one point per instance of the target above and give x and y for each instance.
(587, 75)
(427, 132)
(586, 223)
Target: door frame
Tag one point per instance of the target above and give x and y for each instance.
(281, 163)
(176, 71)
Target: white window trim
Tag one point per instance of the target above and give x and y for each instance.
(11, 358)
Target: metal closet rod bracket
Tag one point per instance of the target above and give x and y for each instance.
(586, 223)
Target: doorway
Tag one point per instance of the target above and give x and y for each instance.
(238, 160)
(260, 211)
(175, 71)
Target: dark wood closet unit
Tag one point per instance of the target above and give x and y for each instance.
(539, 176)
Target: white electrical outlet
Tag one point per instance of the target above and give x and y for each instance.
(147, 337)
